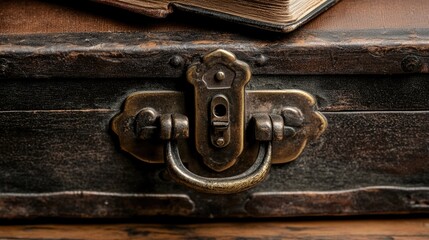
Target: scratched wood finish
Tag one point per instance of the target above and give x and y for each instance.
(406, 229)
(72, 150)
(333, 93)
(331, 44)
(125, 55)
(63, 82)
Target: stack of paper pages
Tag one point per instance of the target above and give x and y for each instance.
(278, 15)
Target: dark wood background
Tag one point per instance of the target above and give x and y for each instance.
(65, 69)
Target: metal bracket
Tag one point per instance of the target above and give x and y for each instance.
(273, 126)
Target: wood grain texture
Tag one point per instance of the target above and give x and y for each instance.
(85, 204)
(73, 150)
(83, 39)
(393, 200)
(108, 205)
(126, 55)
(334, 93)
(407, 229)
(62, 84)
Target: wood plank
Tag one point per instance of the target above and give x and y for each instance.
(268, 203)
(355, 93)
(125, 55)
(384, 200)
(73, 150)
(401, 229)
(90, 204)
(76, 94)
(334, 93)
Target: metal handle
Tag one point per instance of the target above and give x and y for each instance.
(254, 175)
(224, 112)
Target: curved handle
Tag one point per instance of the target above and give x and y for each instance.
(224, 112)
(241, 182)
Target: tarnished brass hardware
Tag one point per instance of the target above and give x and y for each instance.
(220, 121)
(219, 84)
(150, 125)
(274, 126)
(225, 185)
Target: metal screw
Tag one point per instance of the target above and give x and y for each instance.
(220, 76)
(176, 61)
(411, 64)
(220, 142)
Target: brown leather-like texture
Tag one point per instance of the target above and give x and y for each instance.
(37, 16)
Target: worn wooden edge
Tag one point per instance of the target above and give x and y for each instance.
(151, 12)
(113, 55)
(85, 204)
(331, 229)
(381, 199)
(88, 204)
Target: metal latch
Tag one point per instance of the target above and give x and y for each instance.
(224, 129)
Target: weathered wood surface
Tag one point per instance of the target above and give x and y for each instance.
(342, 41)
(334, 93)
(107, 205)
(73, 150)
(101, 55)
(59, 92)
(405, 229)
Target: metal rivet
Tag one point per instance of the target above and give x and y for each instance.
(411, 64)
(176, 61)
(220, 76)
(260, 60)
(220, 142)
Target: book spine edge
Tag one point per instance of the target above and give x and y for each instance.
(150, 12)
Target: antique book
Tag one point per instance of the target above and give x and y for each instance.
(276, 15)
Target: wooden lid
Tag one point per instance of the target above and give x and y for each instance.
(353, 37)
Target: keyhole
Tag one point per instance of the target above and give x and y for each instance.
(220, 110)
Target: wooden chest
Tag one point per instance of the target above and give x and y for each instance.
(66, 70)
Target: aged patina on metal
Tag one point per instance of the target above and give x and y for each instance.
(278, 123)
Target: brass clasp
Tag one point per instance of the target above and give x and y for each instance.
(219, 99)
(273, 126)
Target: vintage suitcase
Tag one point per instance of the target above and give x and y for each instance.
(109, 114)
